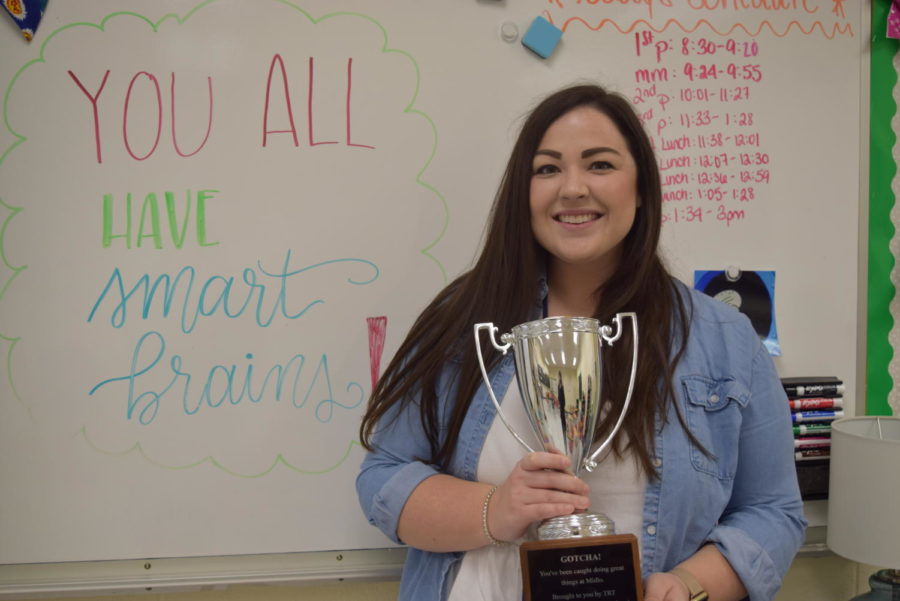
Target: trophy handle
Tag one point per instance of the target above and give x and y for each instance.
(504, 348)
(607, 334)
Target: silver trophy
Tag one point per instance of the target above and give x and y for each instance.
(559, 367)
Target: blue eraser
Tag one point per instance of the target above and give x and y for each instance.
(542, 37)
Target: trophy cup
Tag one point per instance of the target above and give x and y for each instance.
(559, 371)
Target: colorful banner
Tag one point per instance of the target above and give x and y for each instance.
(27, 14)
(893, 22)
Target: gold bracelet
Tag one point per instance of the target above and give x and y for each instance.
(484, 512)
(696, 592)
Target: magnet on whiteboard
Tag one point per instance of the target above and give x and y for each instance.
(542, 37)
(509, 32)
(733, 273)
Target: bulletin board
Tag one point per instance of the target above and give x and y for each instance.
(219, 222)
(883, 304)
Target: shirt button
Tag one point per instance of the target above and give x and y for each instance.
(713, 398)
(651, 530)
(657, 462)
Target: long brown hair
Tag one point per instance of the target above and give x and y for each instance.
(502, 288)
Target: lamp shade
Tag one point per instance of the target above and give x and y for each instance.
(864, 490)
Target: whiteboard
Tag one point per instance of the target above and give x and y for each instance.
(220, 221)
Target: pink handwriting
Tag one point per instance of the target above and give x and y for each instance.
(377, 331)
(157, 117)
(272, 90)
(692, 93)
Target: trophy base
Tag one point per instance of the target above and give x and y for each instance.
(576, 525)
(596, 567)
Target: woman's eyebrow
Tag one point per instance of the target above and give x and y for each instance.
(550, 153)
(584, 154)
(600, 149)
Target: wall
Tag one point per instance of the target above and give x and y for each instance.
(83, 446)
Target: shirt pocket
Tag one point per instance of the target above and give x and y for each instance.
(714, 418)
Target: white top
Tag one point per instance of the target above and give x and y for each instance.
(493, 572)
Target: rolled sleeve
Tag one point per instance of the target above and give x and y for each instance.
(763, 525)
(761, 577)
(394, 468)
(383, 492)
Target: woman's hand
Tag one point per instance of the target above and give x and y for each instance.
(539, 487)
(711, 571)
(663, 586)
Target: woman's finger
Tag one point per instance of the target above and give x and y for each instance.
(545, 461)
(553, 480)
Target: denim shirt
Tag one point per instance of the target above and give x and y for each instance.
(742, 496)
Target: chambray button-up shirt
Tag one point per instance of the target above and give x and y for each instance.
(742, 496)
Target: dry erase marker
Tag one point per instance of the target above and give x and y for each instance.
(807, 454)
(816, 403)
(812, 429)
(815, 416)
(814, 390)
(812, 441)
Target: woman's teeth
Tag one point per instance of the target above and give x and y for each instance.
(575, 219)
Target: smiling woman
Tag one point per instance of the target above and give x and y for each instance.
(583, 200)
(574, 231)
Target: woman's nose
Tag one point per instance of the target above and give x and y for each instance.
(574, 185)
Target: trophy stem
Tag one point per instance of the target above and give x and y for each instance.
(576, 525)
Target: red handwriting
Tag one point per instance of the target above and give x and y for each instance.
(693, 99)
(748, 17)
(828, 31)
(143, 78)
(95, 113)
(702, 47)
(377, 331)
(272, 96)
(698, 214)
(144, 102)
(801, 6)
(647, 3)
(766, 5)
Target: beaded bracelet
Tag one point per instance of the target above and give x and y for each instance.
(484, 516)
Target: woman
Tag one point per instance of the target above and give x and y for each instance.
(702, 472)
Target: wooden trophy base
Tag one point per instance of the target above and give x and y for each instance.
(569, 569)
